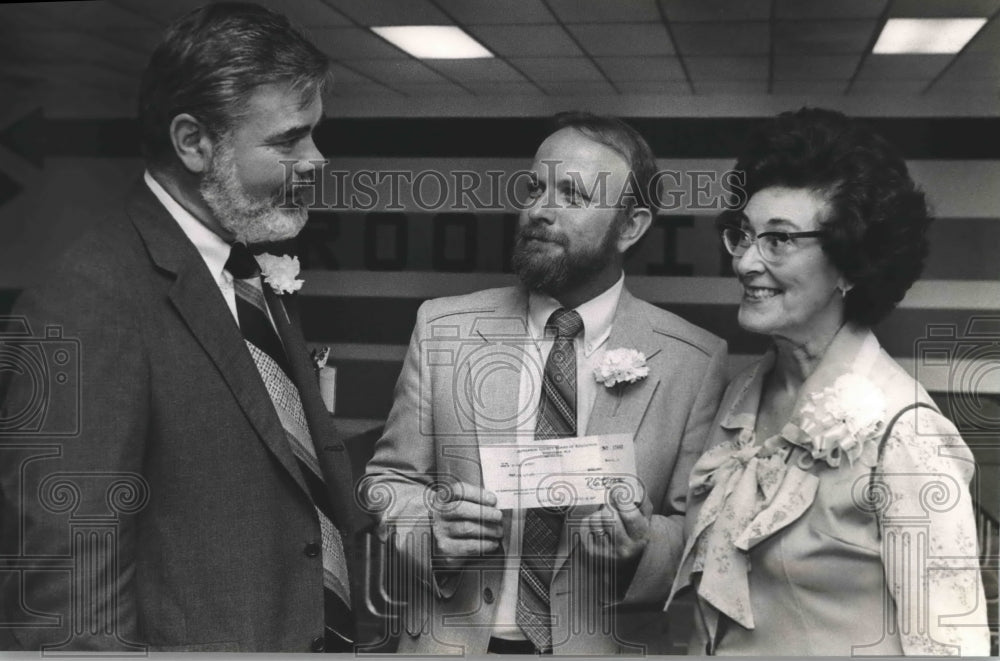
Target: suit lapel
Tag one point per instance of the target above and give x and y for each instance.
(506, 331)
(622, 408)
(485, 384)
(330, 451)
(198, 301)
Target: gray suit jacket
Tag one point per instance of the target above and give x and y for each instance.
(174, 511)
(443, 409)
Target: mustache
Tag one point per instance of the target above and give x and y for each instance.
(538, 234)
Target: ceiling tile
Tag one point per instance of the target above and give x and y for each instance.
(141, 42)
(943, 8)
(525, 40)
(21, 15)
(729, 38)
(717, 10)
(344, 74)
(808, 67)
(433, 89)
(987, 39)
(397, 71)
(903, 67)
(503, 89)
(799, 9)
(624, 39)
(631, 69)
(80, 74)
(92, 15)
(887, 87)
(731, 87)
(675, 88)
(550, 69)
(68, 47)
(588, 88)
(602, 11)
(316, 14)
(966, 87)
(830, 87)
(355, 43)
(466, 71)
(823, 37)
(390, 12)
(709, 69)
(973, 66)
(161, 13)
(355, 90)
(470, 12)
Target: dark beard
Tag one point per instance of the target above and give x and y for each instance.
(567, 271)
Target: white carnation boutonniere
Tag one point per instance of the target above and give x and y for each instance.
(844, 421)
(281, 273)
(621, 367)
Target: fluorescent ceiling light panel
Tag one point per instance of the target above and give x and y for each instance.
(433, 42)
(926, 35)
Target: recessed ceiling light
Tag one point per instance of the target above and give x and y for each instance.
(927, 35)
(433, 42)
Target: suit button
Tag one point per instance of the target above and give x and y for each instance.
(488, 596)
(317, 644)
(312, 549)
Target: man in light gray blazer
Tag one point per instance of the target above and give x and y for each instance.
(576, 580)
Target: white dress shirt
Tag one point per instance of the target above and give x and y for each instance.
(210, 245)
(598, 317)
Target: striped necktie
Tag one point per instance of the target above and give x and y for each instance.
(269, 356)
(542, 527)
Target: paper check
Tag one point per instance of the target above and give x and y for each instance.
(560, 472)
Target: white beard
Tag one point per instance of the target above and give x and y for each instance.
(249, 220)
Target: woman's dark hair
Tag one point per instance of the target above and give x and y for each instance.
(876, 230)
(209, 64)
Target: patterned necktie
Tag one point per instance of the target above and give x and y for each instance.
(542, 527)
(269, 356)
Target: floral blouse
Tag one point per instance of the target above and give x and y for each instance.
(810, 543)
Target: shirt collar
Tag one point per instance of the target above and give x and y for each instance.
(210, 245)
(598, 314)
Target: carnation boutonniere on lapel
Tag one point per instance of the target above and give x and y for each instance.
(281, 273)
(620, 368)
(842, 421)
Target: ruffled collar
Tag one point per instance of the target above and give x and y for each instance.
(749, 490)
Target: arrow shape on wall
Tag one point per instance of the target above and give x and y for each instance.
(35, 137)
(9, 189)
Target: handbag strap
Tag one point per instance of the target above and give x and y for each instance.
(881, 451)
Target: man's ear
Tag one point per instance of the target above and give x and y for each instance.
(634, 227)
(191, 143)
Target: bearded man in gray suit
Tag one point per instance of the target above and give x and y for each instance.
(542, 580)
(203, 501)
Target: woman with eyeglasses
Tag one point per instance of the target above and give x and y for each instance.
(831, 514)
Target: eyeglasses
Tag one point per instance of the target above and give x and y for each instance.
(773, 246)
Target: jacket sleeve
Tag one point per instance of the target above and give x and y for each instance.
(72, 481)
(400, 481)
(929, 542)
(662, 555)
